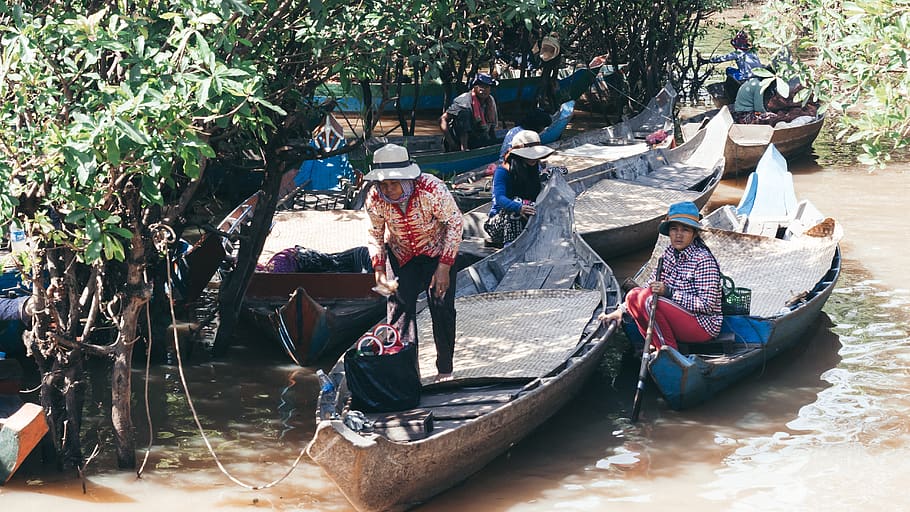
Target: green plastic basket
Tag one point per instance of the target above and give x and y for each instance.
(737, 300)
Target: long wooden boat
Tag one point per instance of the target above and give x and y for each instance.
(314, 314)
(622, 201)
(790, 260)
(430, 97)
(627, 138)
(429, 153)
(746, 143)
(22, 425)
(528, 339)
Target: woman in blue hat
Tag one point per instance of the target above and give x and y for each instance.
(688, 289)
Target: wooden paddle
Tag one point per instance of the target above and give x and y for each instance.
(646, 350)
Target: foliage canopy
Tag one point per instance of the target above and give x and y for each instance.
(853, 56)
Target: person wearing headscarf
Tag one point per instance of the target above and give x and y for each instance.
(470, 121)
(415, 232)
(688, 288)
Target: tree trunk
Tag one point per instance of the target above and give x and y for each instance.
(252, 240)
(136, 294)
(121, 392)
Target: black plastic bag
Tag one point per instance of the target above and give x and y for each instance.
(383, 383)
(352, 260)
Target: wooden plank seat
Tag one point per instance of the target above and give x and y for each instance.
(723, 345)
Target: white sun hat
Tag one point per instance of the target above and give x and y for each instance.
(526, 144)
(549, 47)
(392, 162)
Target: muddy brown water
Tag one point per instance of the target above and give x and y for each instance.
(822, 427)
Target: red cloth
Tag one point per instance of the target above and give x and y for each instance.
(672, 322)
(478, 110)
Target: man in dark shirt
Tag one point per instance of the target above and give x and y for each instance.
(470, 121)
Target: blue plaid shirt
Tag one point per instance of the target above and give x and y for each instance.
(694, 277)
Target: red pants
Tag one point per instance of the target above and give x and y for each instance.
(671, 321)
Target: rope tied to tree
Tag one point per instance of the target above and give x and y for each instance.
(162, 236)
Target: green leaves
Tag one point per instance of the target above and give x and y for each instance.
(859, 56)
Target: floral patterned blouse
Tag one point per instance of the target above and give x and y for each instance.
(431, 225)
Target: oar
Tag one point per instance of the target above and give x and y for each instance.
(646, 350)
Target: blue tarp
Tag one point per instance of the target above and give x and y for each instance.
(324, 174)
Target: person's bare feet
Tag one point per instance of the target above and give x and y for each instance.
(443, 377)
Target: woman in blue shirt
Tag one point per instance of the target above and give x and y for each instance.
(516, 184)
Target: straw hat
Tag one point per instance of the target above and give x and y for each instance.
(526, 144)
(392, 162)
(683, 213)
(549, 47)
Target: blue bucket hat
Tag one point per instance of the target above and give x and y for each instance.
(484, 79)
(683, 213)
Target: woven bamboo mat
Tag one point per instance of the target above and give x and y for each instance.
(522, 334)
(328, 231)
(774, 269)
(610, 204)
(586, 156)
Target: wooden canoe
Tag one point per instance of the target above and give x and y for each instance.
(429, 153)
(746, 143)
(791, 265)
(622, 201)
(22, 425)
(627, 138)
(316, 314)
(528, 338)
(511, 92)
(19, 435)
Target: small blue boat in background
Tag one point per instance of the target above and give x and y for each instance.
(510, 93)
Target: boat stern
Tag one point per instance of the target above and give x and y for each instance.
(679, 378)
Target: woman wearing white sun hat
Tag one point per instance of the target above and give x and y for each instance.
(414, 238)
(516, 184)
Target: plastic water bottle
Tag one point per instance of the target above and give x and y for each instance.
(327, 385)
(16, 238)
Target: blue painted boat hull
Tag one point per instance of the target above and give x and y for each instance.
(428, 152)
(688, 380)
(510, 92)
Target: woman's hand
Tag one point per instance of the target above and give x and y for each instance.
(658, 288)
(384, 285)
(439, 284)
(527, 210)
(661, 289)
